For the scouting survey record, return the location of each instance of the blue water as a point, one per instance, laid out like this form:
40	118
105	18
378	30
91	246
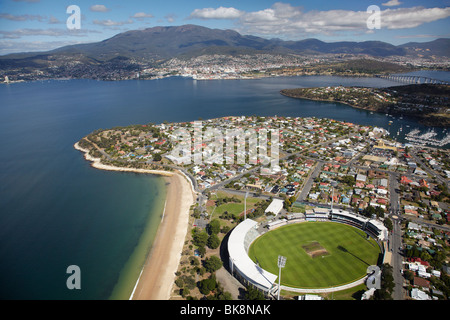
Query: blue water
55	210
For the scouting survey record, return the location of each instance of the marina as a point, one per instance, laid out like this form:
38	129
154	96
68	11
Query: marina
429	138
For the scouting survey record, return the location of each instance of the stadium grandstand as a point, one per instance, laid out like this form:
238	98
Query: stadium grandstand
241	266
242	236
317	214
348	218
374	227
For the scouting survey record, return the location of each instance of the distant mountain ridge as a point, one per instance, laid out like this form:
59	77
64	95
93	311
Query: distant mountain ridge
168	42
127	50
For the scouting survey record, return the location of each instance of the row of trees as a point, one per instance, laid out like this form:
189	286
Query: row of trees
203	239
387	284
209	286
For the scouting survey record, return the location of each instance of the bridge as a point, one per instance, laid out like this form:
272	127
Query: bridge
412	79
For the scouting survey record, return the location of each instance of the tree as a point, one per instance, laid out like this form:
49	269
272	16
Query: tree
292	200
409	275
370	210
201	251
388	223
223	295
207	285
225	229
220	294
213	241
387	284
157	157
199	238
214	227
379	211
194	261
213	264
349	180
253	294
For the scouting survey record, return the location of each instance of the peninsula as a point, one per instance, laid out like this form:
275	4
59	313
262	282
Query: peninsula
322	162
429	103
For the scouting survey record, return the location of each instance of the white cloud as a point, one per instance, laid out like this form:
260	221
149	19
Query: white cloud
111	23
52	32
219	13
405	18
99	8
53	20
142	15
287	20
392	3
170	17
22	17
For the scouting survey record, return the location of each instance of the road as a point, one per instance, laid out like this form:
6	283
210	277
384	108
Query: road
397	259
308	184
395	237
429	170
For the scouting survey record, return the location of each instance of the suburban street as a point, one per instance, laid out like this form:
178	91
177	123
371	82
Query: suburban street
397	266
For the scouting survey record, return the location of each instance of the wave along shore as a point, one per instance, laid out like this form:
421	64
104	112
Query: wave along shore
154	280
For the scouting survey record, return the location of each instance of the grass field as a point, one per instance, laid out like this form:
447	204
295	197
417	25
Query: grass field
233	208
319	254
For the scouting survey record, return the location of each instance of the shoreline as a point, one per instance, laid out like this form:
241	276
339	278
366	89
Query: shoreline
157	275
96	163
332	101
425	120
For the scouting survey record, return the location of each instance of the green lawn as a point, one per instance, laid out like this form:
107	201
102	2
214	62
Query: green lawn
234	208
347	256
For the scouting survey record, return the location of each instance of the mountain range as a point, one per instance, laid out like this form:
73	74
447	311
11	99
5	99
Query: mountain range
156	44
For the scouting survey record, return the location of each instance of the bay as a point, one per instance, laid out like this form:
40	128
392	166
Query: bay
56	210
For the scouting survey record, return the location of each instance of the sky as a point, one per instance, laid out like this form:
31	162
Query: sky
39	25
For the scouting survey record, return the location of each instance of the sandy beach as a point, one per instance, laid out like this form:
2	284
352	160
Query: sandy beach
158	274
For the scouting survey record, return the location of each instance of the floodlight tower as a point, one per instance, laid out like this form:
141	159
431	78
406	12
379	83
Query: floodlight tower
333	184
332	198
245	206
281	264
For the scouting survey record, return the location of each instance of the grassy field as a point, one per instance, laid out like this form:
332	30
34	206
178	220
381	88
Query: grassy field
319	254
234	208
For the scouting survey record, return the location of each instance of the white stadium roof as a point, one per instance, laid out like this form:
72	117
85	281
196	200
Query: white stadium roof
241	260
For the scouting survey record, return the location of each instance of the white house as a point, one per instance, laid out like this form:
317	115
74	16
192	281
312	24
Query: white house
417	294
